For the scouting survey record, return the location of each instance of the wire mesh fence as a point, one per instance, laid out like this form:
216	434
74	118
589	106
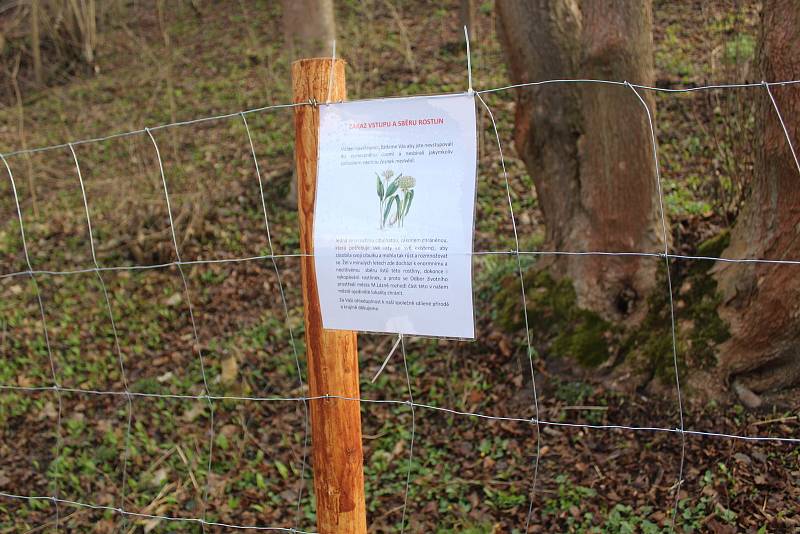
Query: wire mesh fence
172	280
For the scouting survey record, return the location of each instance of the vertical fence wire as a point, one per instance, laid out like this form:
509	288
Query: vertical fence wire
194	330
524	299
56	387
117	347
783	125
671	300
278	277
413	434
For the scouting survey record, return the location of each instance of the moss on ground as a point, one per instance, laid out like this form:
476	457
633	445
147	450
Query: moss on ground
703	300
699	328
561	328
555	318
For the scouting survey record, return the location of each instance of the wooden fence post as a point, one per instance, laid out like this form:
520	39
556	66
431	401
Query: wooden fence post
332	355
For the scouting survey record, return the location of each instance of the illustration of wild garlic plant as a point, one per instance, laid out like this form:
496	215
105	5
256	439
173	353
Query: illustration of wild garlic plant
395	194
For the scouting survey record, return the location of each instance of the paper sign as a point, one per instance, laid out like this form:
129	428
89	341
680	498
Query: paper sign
394	215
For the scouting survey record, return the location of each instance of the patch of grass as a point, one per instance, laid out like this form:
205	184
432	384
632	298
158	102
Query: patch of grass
694	513
684	199
567	502
570	499
674	56
573	393
624	519
740	49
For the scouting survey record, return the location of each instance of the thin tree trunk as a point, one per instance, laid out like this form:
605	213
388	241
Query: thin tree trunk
309	28
761	303
466	15
36	43
22	135
587	146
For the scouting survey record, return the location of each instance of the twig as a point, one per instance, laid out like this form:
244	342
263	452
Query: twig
776	420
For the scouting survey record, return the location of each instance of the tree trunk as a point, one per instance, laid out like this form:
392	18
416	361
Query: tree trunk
36	48
466	16
588	146
309	28
761	302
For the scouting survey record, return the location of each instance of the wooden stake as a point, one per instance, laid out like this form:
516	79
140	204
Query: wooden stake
332	354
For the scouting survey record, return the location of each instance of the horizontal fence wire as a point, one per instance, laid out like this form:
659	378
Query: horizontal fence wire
167	265
311	103
126	513
432	407
535	422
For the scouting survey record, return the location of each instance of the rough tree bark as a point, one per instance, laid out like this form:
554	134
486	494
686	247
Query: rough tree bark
309	28
587	146
761	303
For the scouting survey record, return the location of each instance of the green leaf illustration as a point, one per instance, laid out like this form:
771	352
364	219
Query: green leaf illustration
408	198
398	210
380	187
392	188
392	200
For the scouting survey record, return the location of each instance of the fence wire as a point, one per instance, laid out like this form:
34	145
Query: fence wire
535	423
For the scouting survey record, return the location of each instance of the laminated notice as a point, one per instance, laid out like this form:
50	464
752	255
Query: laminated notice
394	215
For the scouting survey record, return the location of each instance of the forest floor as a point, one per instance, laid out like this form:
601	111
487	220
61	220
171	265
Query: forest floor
467	473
